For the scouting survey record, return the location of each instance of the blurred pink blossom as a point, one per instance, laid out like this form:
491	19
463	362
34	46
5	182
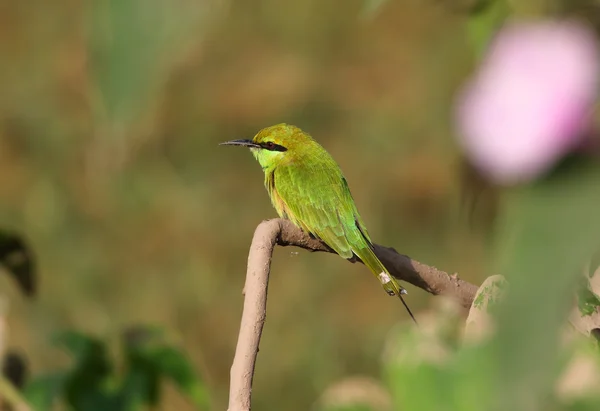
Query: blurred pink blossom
531	100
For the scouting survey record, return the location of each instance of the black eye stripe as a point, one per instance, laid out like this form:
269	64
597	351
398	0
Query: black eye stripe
269	145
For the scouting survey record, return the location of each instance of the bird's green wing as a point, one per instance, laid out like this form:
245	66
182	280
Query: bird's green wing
319	201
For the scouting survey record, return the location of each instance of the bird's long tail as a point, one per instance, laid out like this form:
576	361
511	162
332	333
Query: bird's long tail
389	283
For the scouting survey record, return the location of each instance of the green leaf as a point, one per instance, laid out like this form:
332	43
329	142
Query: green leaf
173	364
489	295
463	379
413	362
587	301
86	381
134	45
90	354
149	360
583	404
548	232
41	392
484	22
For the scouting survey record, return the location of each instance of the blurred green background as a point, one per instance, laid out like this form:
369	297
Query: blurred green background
110	116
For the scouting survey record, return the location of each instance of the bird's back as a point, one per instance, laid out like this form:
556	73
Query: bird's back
312	192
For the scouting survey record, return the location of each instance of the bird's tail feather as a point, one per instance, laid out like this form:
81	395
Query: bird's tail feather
389	283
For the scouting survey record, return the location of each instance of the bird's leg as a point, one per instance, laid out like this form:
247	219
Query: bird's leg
385	279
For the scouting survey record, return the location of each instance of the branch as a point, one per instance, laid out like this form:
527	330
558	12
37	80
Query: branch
402	267
254	314
284	233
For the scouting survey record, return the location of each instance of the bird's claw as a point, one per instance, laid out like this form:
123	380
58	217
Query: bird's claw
385	279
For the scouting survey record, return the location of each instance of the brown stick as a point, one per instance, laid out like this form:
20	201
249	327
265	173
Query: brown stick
402	267
284	233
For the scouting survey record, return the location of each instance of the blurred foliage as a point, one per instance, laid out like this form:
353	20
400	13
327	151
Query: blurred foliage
110	115
18	259
93	382
588	301
549	230
486	17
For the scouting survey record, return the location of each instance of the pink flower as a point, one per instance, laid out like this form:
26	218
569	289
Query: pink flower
530	102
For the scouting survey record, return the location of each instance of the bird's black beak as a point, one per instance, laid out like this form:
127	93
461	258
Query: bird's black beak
244	143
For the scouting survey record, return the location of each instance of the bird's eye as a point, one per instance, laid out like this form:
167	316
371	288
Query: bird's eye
270	145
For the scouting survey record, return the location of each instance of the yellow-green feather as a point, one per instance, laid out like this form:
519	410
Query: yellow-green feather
308	188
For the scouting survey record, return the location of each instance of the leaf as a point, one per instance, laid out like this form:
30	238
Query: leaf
421	358
149	360
548	231
142	379
587	301
89	353
85	382
484	22
583	404
478	197
489	296
41	392
18	258
414	360
134	44
173	364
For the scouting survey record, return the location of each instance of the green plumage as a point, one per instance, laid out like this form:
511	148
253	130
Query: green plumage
307	187
315	196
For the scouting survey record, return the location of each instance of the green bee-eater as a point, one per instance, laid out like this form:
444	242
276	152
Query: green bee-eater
307	187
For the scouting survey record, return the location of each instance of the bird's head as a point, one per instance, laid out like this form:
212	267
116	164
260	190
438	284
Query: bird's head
275	145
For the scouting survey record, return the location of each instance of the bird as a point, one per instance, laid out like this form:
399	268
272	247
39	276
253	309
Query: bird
307	187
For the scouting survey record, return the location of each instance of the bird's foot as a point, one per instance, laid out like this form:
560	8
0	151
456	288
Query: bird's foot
385	279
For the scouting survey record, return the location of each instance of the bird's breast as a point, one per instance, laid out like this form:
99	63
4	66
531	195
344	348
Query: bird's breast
276	199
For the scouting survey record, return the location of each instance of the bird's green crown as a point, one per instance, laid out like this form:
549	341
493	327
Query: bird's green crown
282	136
281	143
